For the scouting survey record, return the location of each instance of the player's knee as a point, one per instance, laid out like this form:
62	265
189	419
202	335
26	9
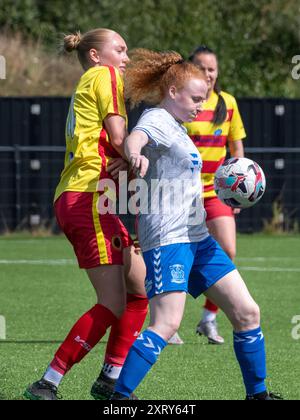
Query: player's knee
166	329
247	318
117	307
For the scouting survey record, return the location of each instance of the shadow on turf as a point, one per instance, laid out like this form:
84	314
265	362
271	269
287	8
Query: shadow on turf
3	397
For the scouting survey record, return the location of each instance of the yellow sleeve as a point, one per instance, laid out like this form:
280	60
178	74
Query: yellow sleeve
109	92
236	130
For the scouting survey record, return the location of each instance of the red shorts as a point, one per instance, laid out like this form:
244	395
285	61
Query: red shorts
96	239
215	208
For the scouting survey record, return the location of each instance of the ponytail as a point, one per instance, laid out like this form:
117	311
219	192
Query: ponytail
220	113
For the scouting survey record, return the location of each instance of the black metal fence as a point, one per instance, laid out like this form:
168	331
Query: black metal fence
32	153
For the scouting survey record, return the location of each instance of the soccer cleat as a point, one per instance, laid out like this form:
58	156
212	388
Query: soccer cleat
103	388
117	396
265	396
41	390
210	330
175	339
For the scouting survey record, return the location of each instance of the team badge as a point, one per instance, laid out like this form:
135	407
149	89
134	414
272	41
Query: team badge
177	273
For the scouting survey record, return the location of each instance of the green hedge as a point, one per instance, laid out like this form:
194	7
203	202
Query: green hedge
255	39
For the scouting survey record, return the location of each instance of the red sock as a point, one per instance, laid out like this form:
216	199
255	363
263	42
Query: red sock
125	330
211	306
85	334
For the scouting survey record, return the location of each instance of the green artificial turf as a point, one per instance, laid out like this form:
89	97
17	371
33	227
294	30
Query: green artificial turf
43	293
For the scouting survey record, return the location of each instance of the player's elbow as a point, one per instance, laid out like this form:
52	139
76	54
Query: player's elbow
117	141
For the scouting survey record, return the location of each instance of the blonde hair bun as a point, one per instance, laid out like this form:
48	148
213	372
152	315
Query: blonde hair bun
71	42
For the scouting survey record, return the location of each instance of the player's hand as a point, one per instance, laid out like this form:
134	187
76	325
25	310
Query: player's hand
137	248
139	164
115	166
237	211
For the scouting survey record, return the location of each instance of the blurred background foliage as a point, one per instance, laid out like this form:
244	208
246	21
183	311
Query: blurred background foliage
255	40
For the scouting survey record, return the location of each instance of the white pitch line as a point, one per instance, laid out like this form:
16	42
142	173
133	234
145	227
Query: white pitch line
38	262
64	262
271	269
37	241
265	259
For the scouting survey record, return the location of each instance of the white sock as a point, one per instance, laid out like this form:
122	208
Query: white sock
208	316
53	376
112	372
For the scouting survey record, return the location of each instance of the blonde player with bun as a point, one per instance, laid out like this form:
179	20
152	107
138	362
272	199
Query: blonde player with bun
95	130
179	253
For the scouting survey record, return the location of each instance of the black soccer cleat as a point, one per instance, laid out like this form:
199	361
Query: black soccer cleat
265	396
103	388
117	396
41	390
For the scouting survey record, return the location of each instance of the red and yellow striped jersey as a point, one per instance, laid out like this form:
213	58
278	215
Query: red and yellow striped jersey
211	139
100	92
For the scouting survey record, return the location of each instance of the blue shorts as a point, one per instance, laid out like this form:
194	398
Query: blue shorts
186	267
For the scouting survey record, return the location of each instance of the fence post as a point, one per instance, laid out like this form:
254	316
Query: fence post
17	155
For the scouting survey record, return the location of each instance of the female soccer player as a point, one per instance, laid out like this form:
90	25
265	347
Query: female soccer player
179	253
219	125
95	130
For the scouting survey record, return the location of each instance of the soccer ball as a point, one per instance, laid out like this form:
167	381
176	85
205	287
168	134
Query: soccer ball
240	183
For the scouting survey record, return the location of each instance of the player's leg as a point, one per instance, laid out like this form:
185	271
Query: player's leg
89	234
221	224
215	275
126	329
232	296
166	311
87	331
168	269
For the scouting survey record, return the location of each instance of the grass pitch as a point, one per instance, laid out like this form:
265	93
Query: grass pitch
43	293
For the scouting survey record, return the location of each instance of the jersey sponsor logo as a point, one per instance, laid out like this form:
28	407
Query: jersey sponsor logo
177	273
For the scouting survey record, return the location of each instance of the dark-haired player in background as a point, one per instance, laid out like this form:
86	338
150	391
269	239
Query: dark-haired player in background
217	126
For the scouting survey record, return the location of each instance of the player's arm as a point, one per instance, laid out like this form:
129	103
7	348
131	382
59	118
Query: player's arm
115	125
108	89
236	149
134	144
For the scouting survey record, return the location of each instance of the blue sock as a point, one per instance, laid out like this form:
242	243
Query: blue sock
141	357
249	348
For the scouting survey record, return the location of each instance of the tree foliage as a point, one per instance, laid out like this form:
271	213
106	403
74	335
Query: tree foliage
255	41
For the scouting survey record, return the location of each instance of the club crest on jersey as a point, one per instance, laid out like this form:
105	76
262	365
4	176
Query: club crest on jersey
177	273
